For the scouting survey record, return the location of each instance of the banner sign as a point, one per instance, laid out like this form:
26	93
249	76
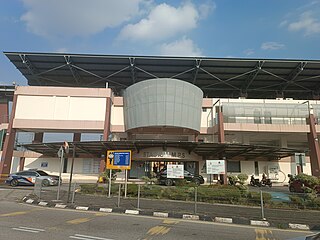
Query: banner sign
175	171
216	167
118	159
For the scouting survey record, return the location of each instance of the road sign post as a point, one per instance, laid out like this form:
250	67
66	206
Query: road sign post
120	160
60	154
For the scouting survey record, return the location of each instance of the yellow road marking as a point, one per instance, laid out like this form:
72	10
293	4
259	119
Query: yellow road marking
168	221
264	234
157	230
79	220
12	214
100	214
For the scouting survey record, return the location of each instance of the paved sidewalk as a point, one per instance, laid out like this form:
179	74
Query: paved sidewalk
209	212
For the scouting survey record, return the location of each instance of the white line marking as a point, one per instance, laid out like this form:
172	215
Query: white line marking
25	230
35	229
86	237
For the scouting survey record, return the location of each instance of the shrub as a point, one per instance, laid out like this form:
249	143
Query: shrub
232	180
88	188
219	193
255	197
242	178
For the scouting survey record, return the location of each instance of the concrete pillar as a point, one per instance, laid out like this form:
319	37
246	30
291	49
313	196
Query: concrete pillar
8	146
221	138
314	147
4	111
107	120
21	164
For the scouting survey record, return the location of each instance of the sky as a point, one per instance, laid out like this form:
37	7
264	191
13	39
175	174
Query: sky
263	29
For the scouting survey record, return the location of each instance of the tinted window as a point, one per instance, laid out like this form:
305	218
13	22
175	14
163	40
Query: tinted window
42	173
233	166
29	174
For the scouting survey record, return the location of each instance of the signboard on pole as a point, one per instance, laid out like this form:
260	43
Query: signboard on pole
300	158
216	167
175	171
118	159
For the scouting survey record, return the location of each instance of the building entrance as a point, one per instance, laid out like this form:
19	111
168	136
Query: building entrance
152	168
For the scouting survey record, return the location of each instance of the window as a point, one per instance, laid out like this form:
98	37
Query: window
267	118
256	117
233	166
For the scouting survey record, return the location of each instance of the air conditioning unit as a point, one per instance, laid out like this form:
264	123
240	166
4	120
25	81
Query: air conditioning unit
279	98
289	98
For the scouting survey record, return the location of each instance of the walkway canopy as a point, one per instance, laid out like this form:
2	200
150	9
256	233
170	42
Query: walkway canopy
218	150
217	77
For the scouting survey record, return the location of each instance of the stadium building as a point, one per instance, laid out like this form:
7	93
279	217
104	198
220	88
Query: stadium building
260	115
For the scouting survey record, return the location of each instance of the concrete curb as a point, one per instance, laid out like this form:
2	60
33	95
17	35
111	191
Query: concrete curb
43	203
299	226
160	214
107	210
82	208
259	223
133	212
60	206
234	220
223	220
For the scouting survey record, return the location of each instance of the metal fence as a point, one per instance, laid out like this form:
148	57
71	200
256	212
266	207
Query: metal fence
200	199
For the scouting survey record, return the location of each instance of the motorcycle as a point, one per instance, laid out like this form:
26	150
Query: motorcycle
255	182
265	182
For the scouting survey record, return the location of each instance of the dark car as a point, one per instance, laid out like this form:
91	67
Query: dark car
162	178
298	187
299	182
28	178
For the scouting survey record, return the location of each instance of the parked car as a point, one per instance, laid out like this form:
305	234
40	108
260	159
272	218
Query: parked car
190	177
28	178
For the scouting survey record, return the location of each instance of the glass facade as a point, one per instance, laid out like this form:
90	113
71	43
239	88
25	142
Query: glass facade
265	113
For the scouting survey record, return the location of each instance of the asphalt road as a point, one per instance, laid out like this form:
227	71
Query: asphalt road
22	221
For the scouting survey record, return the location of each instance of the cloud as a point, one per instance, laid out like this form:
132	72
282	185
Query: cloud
77	17
164	22
306	23
206	8
248	52
272	46
61	50
182	47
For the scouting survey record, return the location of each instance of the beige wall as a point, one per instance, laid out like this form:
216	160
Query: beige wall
117	115
60	108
